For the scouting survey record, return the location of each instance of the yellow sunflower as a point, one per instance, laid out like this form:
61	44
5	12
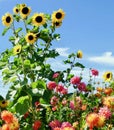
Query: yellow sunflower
107	76
79	54
3	103
58	15
16	10
17	49
56	24
38	19
7	19
30	38
24	11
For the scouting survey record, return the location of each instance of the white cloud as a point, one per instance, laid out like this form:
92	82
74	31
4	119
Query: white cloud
63	51
107	58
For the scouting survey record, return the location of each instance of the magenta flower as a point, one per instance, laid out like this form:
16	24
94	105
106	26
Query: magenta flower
59	88
51	85
75	80
54	100
55	75
54	124
94	72
65	124
82	86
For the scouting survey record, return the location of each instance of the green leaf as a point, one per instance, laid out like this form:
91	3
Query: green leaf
79	65
40	84
11	38
18	30
27	63
22	105
1	98
29	20
5	30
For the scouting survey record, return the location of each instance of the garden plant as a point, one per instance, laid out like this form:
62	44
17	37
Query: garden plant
38	97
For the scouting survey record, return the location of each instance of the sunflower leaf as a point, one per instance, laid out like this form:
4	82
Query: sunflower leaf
5	30
18	30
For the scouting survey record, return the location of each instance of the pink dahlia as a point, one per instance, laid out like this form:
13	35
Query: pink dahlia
82	86
51	85
55	124
55	75
94	72
75	80
65	124
105	111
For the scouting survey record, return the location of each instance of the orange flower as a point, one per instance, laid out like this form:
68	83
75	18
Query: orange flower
99	89
67	128
92	119
108	101
84	107
98	95
7	116
5	127
101	121
108	91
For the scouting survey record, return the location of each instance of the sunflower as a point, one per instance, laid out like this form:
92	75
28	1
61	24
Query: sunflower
58	15
79	54
17	49
24	11
16	10
7	19
107	76
30	38
3	103
56	24
38	19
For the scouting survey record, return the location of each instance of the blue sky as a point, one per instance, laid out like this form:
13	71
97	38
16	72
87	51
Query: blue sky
88	26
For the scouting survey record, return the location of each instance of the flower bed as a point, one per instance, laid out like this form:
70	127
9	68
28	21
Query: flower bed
38	97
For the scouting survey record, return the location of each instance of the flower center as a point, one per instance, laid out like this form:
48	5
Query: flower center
18	50
39	19
17	10
58	15
108	75
25	10
8	19
30	37
3	102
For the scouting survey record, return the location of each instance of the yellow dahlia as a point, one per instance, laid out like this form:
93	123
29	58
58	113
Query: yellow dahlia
17	49
38	19
30	38
58	15
24	11
107	76
7	19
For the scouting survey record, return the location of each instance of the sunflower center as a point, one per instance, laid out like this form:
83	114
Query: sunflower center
8	19
3	102
17	10
25	10
108	76
30	37
58	15
38	19
18	50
